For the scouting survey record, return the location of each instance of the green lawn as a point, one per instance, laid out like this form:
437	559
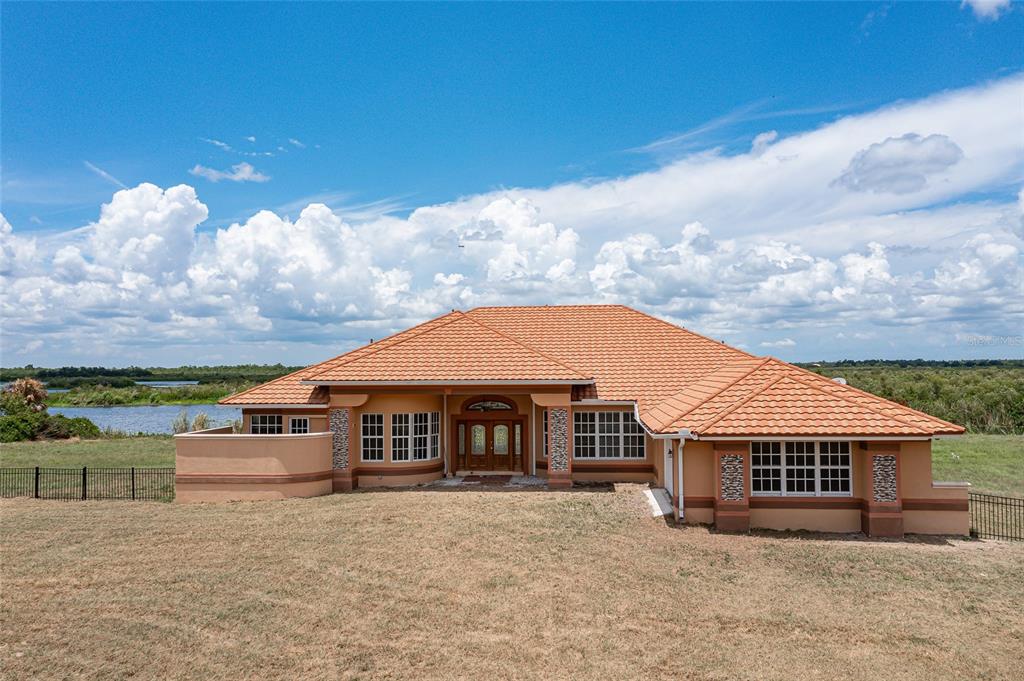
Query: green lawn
991	463
115	452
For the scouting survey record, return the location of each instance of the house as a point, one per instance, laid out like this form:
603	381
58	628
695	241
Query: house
586	393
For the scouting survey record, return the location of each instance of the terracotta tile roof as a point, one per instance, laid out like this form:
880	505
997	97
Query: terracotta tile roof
771	397
459	349
283	390
679	379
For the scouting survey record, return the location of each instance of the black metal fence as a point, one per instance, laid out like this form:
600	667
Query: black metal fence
994	517
69	484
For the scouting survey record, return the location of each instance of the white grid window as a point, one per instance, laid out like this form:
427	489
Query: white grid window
834	467
607	435
373	437
265	424
420	436
435	435
298	425
800	470
400	437
806	469
545	419
766	467
416	437
584	434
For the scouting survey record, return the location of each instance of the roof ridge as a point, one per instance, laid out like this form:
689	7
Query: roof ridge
683	328
848	401
715	394
374	348
522	344
739	403
819	377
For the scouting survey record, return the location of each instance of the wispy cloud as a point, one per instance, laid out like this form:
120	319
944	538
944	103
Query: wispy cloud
105	175
783	343
296	143
224	146
340	202
240	172
251	138
754	111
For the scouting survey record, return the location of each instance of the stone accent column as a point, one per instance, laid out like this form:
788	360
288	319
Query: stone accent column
882	511
732	498
340	423
559	447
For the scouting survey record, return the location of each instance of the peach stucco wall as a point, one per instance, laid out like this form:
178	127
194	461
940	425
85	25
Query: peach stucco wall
219	466
395	404
317	418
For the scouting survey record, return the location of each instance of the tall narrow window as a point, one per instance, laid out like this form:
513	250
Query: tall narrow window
399	437
544	418
373	437
265	424
420	436
800	469
765	467
584	428
834	462
435	435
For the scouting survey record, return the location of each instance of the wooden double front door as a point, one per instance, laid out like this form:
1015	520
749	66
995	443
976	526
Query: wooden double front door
491	445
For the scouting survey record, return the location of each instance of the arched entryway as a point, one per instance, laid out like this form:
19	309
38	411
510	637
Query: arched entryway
490	435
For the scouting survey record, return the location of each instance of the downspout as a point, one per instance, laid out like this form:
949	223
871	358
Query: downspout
446	451
684	435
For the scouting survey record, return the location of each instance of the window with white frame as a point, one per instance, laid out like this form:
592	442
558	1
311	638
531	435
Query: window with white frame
420	436
416	437
372	437
435	435
545	420
607	435
834	468
298	425
265	424
800	469
400	449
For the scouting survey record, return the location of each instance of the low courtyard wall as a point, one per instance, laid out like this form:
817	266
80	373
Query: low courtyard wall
218	465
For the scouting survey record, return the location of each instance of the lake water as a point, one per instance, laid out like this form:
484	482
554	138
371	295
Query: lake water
148	419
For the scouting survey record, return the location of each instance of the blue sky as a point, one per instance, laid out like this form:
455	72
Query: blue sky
423	127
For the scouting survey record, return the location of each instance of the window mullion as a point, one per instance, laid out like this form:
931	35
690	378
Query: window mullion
817	470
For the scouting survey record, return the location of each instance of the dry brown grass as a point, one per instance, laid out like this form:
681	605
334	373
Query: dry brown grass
486	584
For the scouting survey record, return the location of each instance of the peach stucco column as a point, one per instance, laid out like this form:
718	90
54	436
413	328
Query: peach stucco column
560	446
732	502
340	422
882	511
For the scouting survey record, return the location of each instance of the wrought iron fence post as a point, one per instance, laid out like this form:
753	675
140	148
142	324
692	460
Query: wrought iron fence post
133	483
36	489
84	493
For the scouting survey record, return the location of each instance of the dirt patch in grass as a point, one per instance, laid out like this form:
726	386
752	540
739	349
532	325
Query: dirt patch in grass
472	584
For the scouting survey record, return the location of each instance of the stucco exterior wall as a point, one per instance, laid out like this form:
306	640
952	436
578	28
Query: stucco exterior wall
219	466
389	404
815	520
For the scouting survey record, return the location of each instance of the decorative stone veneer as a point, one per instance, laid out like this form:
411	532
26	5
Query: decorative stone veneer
732	477
558	426
338	420
883	473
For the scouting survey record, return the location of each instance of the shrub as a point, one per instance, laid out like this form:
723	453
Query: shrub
180	422
28	392
201	421
60	427
21	426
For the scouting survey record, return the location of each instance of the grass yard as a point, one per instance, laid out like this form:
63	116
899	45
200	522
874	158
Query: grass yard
991	463
475	584
154	451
